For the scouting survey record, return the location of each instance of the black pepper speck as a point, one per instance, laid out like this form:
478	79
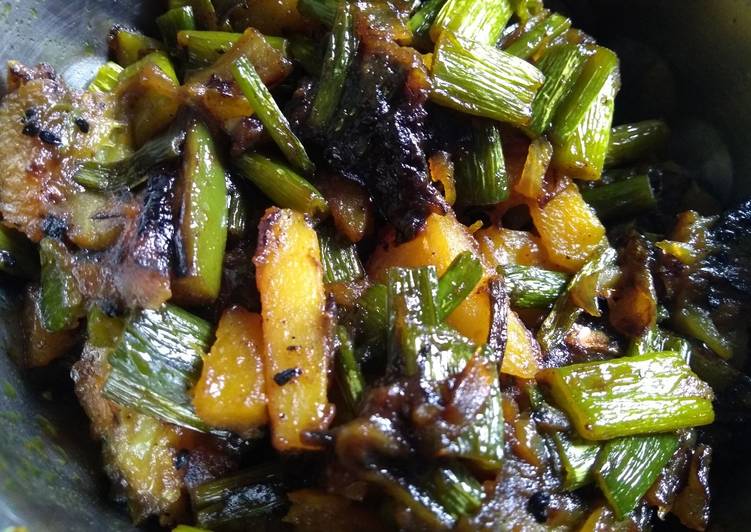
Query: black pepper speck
283	377
538	505
48	137
181	458
31	129
82	124
31	112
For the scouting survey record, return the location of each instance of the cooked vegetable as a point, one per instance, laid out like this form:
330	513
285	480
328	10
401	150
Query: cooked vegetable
502	247
481	21
61	303
531	287
481	177
202	48
268	111
483	81
422	19
156	362
633	303
581	128
106	77
577	458
202	234
627	467
622	198
128	46
697	323
456	283
349	375
341	48
295	328
133	170
280	183
655	392
531	182
323	11
231	391
174	21
339	259
544	31
235	499
568	227
636	142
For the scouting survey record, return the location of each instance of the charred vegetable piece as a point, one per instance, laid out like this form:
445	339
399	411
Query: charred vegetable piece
17	255
631	143
654	392
128	46
569	228
133	170
156	362
481	177
483	81
633	304
202	235
61	304
173	21
106	77
239	498
627	467
231	391
544	31
532	287
594	280
692	504
269	113
581	128
340	261
479	20
577	458
457	282
348	373
561	66
295	328
621	199
340	52
281	184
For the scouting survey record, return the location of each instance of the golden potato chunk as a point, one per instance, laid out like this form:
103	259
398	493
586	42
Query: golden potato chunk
295	328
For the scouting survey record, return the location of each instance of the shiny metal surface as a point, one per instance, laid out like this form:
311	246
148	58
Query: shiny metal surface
50	477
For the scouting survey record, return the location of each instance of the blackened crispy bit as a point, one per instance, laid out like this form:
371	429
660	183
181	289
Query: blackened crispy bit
31	129
283	377
378	135
48	137
499	309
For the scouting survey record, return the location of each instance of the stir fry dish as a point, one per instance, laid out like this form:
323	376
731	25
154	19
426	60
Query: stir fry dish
374	265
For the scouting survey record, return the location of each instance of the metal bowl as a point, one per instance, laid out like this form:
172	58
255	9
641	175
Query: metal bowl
686	60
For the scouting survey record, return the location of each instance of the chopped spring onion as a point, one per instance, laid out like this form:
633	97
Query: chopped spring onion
483	81
174	21
479	20
156	363
61	303
133	170
205	13
202	234
621	199
422	19
204	47
340	52
348	373
324	11
434	352
532	287
269	113
627	467
457	490
544	31
281	184
457	282
481	177
532	181
127	47
594	280
412	293
581	128
654	392
238	498
631	143
340	261
697	323
307	52
106	77
561	66
577	458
